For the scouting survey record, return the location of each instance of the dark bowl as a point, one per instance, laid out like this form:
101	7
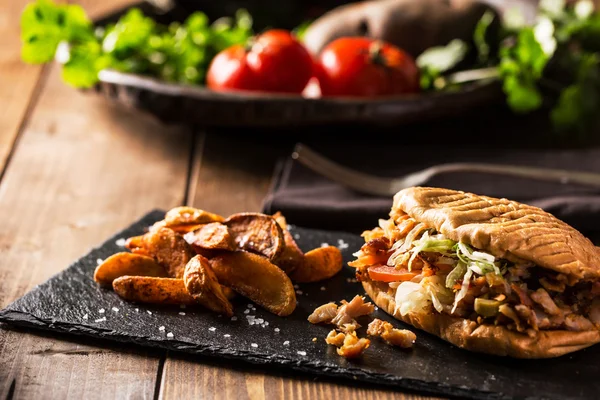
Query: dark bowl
200	106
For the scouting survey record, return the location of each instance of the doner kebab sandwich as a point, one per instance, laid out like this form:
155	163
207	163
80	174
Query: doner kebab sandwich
488	275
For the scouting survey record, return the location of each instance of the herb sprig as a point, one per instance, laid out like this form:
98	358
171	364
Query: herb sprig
179	52
553	62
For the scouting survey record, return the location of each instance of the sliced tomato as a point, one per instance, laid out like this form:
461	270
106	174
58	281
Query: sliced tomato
384	273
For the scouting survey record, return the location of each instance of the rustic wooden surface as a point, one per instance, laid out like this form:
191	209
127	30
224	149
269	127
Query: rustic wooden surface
73	170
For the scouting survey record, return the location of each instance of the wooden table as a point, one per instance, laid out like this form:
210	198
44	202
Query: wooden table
73	170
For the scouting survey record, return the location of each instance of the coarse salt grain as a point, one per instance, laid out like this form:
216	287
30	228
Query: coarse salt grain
250	305
101	319
137	310
120	242
181	313
296	287
296	236
342	245
99	261
286	343
299	292
324	244
85	316
212	329
254	345
302	353
101	311
323	288
246	311
227	335
234	318
149	312
161	328
115	309
276	330
170	334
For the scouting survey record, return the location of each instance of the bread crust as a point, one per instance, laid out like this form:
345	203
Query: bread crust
490	339
505	228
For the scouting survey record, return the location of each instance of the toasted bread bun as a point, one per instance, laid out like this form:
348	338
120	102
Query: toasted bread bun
504	228
490	339
507	229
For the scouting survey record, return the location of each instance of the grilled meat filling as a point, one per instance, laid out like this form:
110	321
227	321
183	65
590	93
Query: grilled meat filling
422	268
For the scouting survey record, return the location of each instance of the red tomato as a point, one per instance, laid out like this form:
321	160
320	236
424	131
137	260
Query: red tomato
359	66
385	273
274	62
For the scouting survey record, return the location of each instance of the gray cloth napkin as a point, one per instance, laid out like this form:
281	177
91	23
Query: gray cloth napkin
310	200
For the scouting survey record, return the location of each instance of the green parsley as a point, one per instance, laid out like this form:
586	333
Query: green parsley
552	63
179	52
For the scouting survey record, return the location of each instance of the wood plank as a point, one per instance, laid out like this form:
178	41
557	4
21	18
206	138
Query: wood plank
82	170
232	174
193	379
17	80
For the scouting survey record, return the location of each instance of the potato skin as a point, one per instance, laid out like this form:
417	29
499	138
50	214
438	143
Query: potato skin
152	290
170	249
409	24
124	263
318	264
213	236
190	216
257	233
202	284
256	278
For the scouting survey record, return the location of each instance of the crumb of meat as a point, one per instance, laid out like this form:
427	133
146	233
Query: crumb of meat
343	316
396	337
349	327
353	347
351	310
335	338
324	313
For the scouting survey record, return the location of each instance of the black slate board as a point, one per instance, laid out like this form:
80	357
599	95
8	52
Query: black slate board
432	366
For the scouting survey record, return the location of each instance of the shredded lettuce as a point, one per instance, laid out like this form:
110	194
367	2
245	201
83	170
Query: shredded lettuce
477	261
435	243
463	289
410	296
411	236
456	274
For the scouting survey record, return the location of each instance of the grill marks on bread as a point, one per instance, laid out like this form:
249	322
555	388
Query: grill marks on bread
507	229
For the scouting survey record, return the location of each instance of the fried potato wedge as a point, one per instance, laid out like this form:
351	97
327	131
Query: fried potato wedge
146	289
256	278
136	245
182	219
291	257
122	264
170	249
256	233
278	216
202	284
210	237
228	292
320	263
